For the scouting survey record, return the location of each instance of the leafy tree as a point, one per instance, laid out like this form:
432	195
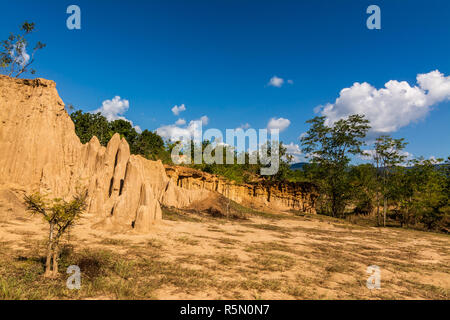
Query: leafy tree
149	144
60	215
401	185
331	147
431	199
446	171
230	171
166	155
363	184
387	154
14	58
88	125
243	172
284	159
126	130
419	194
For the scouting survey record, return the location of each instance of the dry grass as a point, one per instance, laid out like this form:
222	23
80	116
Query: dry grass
196	257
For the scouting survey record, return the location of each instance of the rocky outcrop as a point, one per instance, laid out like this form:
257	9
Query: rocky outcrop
41	152
274	196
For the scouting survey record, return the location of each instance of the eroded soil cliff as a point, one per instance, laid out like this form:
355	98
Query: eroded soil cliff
41	152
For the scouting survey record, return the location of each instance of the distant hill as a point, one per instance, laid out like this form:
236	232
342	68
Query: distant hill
298	165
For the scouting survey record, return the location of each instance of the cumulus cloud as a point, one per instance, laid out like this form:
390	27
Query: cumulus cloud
114	109
436	85
178	109
390	108
176	132
280	124
294	150
276	82
180	122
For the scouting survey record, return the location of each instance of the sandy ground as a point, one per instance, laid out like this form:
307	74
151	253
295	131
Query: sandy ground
266	257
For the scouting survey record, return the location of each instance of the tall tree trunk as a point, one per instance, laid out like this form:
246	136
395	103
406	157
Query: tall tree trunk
378	197
407	216
384	195
409	211
48	262
55	260
378	209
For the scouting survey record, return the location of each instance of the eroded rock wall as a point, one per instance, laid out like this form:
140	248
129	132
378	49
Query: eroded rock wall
265	195
41	152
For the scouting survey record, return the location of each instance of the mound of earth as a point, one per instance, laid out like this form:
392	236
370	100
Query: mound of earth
217	205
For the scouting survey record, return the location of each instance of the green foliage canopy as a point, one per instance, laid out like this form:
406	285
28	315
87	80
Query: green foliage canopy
87	125
330	146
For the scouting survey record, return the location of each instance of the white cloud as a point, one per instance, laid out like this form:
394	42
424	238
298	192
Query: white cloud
180	122
392	107
114	109
302	135
178	109
280	123
290	81
204	120
436	85
244	126
175	132
276	82
136	127
369	155
19	53
295	151
293	148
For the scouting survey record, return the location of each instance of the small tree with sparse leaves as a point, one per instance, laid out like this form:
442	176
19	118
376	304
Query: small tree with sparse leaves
14	58
387	154
61	216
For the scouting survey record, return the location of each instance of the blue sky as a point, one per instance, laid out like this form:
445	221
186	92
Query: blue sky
217	58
